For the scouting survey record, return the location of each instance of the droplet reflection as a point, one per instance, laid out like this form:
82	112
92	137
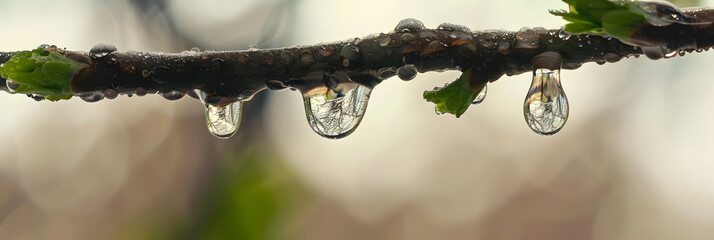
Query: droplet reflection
222	122
546	106
336	113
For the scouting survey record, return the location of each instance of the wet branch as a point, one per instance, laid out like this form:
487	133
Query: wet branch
238	75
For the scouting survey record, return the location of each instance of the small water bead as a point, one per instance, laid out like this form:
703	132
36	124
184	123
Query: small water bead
407	37
195	49
222	122
351	55
102	50
504	48
217	64
160	74
173	95
409	25
527	39
481	95
612	57
562	34
407	72
140	91
325	51
11	85
110	93
92	97
671	54
287	58
654	53
306	58
384	40
336	113
453	27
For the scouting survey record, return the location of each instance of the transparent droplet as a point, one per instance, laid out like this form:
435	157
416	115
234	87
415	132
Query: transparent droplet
481	95
562	34
336	113
407	72
92	97
222	122
11	85
102	50
546	106
409	25
173	95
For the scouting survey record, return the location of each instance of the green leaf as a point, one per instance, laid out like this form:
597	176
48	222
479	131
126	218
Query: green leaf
621	24
43	73
455	97
618	19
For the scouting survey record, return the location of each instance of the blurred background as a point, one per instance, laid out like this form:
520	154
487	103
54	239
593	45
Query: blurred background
634	161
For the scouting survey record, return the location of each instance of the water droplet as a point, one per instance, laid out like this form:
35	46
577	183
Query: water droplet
325	51
481	95
453	27
111	93
92	97
546	106
173	95
195	49
407	72
336	113
160	74
384	40
409	25
287	58
11	85
351	55
222	122
140	91
612	57
252	47
306	58
407	37
682	53
562	34
102	50
217	64
527	39
504	48
653	53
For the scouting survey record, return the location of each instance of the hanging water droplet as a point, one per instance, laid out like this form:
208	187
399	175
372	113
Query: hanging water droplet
671	54
481	95
407	72
102	50
92	97
11	85
222	122
336	113
160	74
546	106
409	25
173	95
111	93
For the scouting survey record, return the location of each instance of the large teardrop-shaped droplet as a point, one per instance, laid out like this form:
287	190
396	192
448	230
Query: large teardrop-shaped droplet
222	122
336	113
546	106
